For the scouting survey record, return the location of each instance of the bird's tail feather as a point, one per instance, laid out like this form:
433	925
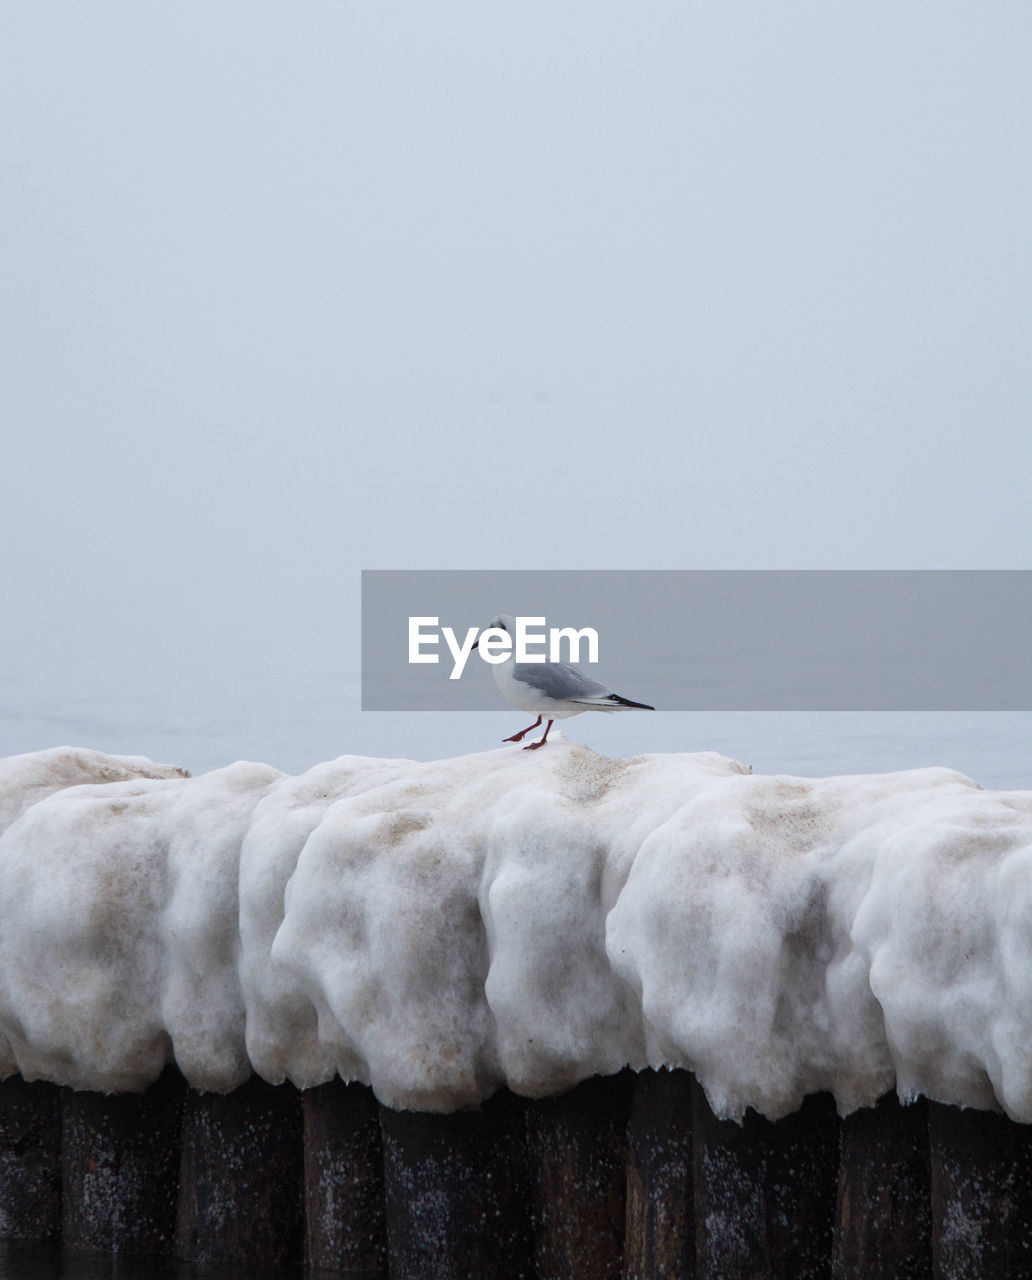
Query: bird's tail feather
612	702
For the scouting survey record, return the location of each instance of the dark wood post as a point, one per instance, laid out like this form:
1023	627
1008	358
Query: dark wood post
730	1204
456	1192
981	1181
344	1210
765	1192
30	1160
882	1217
240	1186
802	1180
660	1230
578	1151
120	1162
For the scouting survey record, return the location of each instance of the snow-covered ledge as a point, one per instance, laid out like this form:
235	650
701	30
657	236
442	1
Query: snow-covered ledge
517	918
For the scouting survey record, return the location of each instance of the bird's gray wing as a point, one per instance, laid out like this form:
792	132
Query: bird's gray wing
558	680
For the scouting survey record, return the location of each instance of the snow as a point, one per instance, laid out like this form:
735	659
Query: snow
530	919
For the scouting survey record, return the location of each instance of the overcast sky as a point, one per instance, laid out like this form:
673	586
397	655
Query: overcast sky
296	289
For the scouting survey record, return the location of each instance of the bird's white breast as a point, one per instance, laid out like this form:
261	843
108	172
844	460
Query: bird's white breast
529	699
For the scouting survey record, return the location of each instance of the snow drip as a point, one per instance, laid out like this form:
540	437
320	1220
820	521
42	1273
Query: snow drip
527	919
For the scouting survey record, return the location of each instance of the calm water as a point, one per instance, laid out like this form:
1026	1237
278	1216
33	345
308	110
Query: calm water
994	748
295	719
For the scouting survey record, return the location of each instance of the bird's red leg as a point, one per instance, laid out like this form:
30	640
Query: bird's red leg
518	737
534	745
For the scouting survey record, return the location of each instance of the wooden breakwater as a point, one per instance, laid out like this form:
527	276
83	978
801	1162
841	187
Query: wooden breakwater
627	1176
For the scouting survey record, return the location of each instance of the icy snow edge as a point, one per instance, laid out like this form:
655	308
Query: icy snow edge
527	919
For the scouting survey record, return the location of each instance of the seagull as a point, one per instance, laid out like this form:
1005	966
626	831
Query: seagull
553	689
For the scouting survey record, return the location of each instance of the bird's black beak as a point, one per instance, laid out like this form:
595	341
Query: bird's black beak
476	644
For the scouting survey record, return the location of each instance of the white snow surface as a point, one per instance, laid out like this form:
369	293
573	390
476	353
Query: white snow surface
529	919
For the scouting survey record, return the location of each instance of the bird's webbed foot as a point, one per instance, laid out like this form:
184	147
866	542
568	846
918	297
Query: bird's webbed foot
518	737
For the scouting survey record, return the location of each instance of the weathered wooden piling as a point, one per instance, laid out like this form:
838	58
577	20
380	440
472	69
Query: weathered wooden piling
765	1192
883	1212
627	1176
659	1238
981	1195
578	1152
731	1211
457	1193
802	1182
240	1184
120	1166
344	1199
30	1160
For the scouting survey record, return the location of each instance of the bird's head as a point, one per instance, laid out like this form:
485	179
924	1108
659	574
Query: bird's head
501	622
